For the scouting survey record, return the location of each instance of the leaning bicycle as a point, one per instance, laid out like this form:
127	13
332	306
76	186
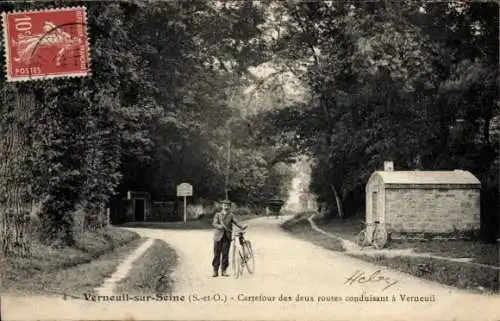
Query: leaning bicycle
379	237
243	255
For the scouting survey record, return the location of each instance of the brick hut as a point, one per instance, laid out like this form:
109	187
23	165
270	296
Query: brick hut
431	202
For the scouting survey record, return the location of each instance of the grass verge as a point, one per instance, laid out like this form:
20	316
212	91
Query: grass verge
299	226
151	273
480	252
458	274
483	253
71	270
461	275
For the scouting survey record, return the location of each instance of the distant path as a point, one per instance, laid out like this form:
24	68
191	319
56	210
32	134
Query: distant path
284	265
353	248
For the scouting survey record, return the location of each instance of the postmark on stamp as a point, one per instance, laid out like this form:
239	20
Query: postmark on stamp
46	44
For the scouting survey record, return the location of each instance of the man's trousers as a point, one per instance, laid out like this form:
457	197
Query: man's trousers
221	252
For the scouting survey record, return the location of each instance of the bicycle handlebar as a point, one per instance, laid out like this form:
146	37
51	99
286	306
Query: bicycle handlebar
239	233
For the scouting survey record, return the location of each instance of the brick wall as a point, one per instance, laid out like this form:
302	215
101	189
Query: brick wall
432	210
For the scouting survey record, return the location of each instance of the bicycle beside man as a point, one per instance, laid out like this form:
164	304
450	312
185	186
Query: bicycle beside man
223	223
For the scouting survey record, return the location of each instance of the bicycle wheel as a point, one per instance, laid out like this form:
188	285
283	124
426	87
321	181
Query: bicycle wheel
361	239
236	262
379	237
249	257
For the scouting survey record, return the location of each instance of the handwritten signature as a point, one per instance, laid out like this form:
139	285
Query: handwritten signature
377	276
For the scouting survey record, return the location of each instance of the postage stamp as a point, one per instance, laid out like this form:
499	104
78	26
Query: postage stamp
46	44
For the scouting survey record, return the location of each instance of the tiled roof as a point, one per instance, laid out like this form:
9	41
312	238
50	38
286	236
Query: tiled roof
428	177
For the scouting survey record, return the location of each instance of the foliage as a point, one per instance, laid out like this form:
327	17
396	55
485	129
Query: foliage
178	89
144	120
392	81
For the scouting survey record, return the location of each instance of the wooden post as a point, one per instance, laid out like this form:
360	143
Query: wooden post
185	190
185	210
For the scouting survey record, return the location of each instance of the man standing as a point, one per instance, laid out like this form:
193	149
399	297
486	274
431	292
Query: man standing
223	223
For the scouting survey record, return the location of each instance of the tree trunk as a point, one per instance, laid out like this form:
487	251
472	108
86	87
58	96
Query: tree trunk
338	201
15	199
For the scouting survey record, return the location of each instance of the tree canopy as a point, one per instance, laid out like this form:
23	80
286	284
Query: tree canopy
216	92
411	82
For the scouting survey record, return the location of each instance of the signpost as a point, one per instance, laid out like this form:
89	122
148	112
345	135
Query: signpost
184	190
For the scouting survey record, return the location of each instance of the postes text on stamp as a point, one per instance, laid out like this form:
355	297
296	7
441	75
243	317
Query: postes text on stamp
46	44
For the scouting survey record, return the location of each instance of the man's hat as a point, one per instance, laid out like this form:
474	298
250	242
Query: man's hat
226	202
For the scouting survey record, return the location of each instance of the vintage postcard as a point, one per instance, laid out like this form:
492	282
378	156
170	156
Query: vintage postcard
249	160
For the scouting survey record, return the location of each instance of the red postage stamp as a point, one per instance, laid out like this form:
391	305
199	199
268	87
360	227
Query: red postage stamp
46	44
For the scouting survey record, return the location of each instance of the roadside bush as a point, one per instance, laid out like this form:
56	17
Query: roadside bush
119	236
205	217
240	211
103	240
93	243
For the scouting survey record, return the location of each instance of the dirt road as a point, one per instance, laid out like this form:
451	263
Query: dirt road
291	278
